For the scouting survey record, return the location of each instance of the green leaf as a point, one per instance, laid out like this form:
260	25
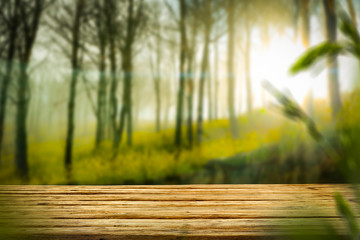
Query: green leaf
354	50
314	54
346	212
348	29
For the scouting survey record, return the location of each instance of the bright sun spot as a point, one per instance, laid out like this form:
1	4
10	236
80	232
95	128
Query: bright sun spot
273	63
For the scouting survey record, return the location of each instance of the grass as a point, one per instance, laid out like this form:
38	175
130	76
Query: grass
152	158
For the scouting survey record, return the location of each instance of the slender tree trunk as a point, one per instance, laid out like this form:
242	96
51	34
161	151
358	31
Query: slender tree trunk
158	82
73	82
113	87
305	22
231	77
167	105
101	99
110	5
125	113
216	80
199	131
102	32
21	116
128	80
190	82
158	104
108	126
30	33
190	97
8	70
332	63
247	70
180	97
209	89
203	72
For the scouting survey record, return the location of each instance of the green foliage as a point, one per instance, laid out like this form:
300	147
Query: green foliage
348	29
314	54
348	215
152	160
325	49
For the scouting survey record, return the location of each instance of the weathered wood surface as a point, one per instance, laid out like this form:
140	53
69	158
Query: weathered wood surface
169	212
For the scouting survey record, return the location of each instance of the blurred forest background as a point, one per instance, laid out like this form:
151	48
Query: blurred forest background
179	91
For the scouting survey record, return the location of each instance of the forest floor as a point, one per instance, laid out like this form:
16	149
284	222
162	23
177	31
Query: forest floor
271	149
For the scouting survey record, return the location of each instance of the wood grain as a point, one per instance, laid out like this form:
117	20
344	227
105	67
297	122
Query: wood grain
170	212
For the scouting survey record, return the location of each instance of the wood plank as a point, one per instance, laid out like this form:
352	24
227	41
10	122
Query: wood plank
170	212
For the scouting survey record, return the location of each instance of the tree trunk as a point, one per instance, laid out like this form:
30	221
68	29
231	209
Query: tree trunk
21	116
8	70
128	80
126	110
158	81
190	82
247	70
231	77
158	104
125	113
110	5
190	98
333	82
209	90
183	53
305	22
73	82
216	80
101	100
29	37
203	72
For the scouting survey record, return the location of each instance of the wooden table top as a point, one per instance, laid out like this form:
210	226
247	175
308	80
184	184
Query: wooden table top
170	211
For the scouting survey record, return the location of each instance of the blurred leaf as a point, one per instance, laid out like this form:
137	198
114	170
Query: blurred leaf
346	212
292	110
355	50
348	28
314	54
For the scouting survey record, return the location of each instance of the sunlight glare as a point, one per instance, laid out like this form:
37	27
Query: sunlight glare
273	63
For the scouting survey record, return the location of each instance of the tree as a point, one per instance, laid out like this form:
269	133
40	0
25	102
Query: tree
11	24
183	56
193	23
30	18
208	21
156	64
68	23
111	16
135	20
216	79
247	57
333	81
101	95
230	67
